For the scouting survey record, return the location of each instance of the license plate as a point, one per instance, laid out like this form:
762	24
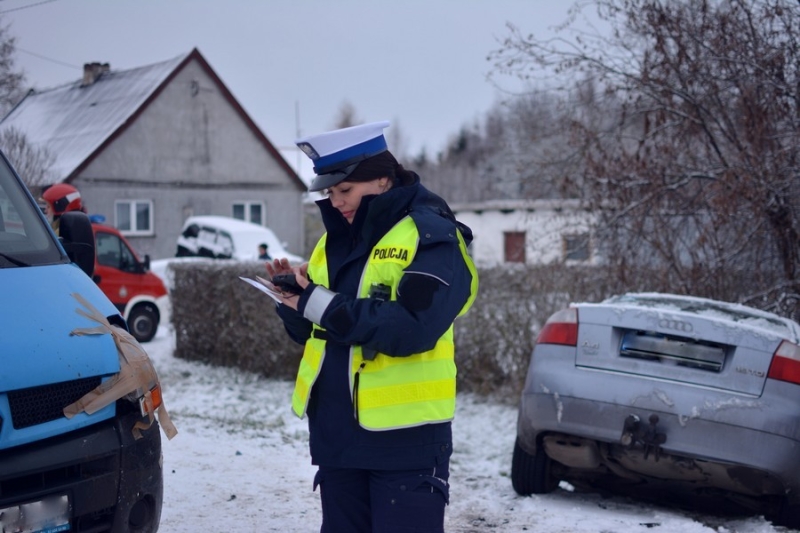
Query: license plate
49	515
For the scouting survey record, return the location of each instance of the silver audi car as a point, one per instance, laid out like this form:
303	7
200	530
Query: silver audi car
684	400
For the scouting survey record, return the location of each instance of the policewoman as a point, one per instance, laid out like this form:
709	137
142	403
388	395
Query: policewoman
379	297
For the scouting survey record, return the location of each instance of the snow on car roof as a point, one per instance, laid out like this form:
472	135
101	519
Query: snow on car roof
226	223
715	309
246	236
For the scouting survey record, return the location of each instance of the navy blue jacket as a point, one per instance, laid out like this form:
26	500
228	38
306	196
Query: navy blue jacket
428	302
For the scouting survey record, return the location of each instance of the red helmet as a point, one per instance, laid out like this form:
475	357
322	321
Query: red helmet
63	197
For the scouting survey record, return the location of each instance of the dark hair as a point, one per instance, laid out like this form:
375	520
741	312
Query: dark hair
383	164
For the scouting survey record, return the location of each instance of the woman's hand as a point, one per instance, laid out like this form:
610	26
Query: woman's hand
282	266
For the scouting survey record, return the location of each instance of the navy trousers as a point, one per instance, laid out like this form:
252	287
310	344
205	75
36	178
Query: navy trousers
383	501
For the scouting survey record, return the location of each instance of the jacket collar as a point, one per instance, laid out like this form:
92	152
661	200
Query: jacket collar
375	216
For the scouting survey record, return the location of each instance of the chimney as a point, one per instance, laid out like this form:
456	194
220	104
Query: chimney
93	71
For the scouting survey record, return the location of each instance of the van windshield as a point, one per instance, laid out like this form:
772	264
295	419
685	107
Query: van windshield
24	237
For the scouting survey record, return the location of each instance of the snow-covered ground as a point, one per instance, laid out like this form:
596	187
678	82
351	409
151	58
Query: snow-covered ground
240	463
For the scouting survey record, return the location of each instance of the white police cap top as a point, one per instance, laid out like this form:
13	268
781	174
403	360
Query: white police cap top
334	150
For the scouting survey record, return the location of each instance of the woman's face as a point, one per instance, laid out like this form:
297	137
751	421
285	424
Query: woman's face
346	196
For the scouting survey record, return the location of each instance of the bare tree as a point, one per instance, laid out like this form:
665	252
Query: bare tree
346	116
519	149
694	164
33	164
398	144
11	80
457	176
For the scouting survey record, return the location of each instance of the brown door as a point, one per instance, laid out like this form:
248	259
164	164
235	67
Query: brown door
514	246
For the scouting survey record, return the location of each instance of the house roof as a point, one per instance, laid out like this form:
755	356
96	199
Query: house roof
507	206
75	122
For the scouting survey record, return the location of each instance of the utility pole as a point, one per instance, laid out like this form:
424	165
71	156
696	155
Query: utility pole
297	133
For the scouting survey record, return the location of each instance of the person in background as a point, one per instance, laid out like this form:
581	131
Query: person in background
378	299
59	199
263	252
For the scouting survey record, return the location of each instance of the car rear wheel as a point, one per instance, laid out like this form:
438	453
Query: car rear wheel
532	474
143	322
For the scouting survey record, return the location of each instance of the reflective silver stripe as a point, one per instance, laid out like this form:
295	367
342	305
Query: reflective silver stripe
426	274
318	302
418	273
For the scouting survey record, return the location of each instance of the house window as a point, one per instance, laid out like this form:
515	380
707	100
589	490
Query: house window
134	217
576	247
249	211
514	246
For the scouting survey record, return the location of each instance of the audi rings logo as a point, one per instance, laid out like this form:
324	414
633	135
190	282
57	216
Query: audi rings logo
676	325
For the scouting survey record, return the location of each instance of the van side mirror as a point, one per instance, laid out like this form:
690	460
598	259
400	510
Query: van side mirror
77	238
146	263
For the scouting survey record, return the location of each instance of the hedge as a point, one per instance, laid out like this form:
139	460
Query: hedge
219	319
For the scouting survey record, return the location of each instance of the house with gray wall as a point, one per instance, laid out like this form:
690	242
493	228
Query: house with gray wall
150	146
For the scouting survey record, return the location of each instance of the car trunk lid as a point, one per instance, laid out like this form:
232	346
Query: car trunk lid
674	345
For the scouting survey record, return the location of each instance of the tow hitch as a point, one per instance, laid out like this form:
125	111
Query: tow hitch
634	431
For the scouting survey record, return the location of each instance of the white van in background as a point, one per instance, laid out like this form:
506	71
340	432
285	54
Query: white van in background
221	237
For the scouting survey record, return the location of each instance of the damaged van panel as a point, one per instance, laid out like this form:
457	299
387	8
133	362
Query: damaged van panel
137	379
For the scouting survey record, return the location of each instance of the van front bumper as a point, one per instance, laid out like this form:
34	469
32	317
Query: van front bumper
113	482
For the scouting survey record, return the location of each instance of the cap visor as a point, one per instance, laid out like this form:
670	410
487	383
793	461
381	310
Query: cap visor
323	181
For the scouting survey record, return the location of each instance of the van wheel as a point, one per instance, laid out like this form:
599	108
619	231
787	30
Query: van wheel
532	474
143	322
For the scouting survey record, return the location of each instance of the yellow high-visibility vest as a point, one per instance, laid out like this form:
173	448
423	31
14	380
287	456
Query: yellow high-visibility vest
388	392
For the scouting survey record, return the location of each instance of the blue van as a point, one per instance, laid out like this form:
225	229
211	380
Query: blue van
83	473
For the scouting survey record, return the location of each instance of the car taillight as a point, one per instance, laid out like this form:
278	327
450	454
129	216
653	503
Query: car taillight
786	363
561	328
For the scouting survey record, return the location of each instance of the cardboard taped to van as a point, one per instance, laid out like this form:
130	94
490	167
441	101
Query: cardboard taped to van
137	378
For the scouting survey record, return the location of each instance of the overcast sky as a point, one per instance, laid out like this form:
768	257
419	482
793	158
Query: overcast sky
293	63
